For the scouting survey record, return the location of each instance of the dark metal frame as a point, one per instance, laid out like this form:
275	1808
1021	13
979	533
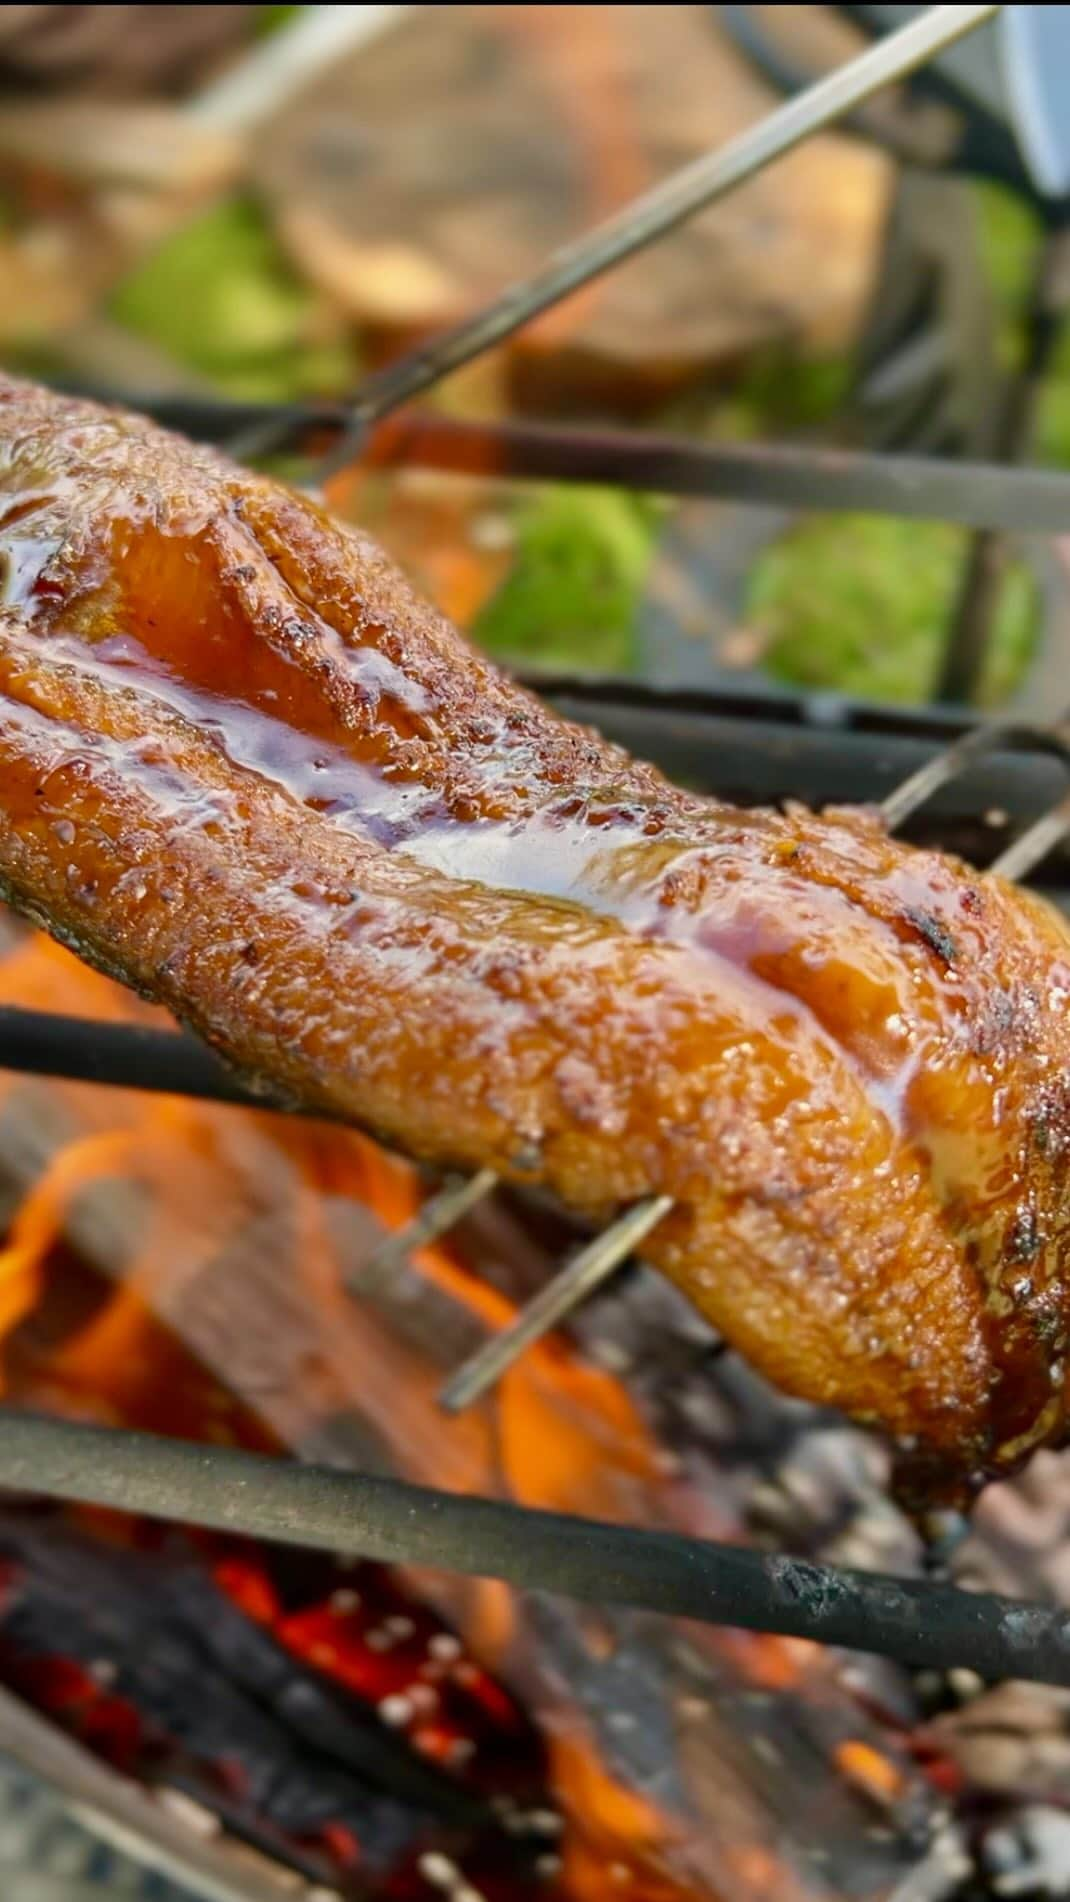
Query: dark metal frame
974	494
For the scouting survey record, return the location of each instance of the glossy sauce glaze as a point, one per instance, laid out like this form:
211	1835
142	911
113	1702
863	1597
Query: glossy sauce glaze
244	768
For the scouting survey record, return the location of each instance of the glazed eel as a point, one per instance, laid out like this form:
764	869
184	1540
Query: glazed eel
245	769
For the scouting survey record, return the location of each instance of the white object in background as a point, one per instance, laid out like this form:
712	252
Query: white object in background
1036	49
278	68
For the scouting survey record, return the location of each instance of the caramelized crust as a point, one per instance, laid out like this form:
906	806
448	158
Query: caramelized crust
245	769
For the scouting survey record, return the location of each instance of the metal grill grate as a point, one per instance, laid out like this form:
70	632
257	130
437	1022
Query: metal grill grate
812	750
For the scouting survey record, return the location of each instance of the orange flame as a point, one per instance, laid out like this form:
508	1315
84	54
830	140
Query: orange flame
563	1434
220	1198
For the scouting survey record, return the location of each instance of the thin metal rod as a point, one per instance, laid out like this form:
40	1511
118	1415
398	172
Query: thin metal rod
1032	846
976	494
586	1272
121	1813
647	218
437	1216
947	765
253	90
1021	501
322	1508
130	1056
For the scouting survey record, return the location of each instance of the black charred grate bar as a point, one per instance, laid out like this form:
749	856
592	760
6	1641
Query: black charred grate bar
917	1623
41	1043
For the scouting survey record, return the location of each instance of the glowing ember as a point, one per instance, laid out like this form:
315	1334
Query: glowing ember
125	1638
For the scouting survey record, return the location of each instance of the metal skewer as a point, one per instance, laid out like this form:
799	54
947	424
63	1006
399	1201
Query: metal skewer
1040	838
436	1217
945	766
667	205
1026	852
586	1272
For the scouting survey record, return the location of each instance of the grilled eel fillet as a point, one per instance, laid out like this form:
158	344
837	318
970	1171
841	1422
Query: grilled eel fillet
246	770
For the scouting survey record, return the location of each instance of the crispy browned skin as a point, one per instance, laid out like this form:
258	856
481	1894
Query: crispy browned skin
245	769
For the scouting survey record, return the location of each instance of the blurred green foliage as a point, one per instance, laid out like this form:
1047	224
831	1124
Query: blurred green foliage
271	18
573	592
781	391
1011	235
1008	232
861	604
219	296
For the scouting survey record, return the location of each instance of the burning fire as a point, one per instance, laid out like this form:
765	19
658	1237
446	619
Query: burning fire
224	1237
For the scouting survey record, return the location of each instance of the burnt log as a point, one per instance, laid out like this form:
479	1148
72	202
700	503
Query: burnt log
139	1651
